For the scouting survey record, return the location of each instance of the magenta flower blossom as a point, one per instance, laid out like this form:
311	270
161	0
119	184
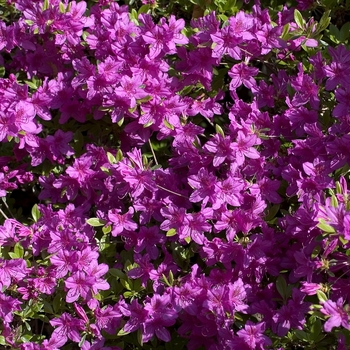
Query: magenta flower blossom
130	90
253	335
137	316
97	271
143	270
11	270
163	38
226	42
147	240
79	284
204	185
196	224
338	315
68	327
121	222
242	74
228	191
174	218
81	169
221	147
59	144
8	306
160	315
107	318
7	127
243	147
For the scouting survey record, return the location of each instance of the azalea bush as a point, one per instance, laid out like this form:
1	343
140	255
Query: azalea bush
173	182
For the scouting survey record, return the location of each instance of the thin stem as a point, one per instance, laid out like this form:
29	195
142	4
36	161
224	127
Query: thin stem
177	194
3	214
7	207
152	150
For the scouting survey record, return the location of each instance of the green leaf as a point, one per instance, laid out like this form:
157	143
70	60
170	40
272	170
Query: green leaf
2	340
36	213
285	31
119	155
143	9
57	303
334	201
338	187
171	232
281	286
272	212
219	130
117	273
149	124
139	336
344	32
324	22
334	31
171	278
325	227
62	7
19	250
301	334
111	158
343	240
298	18
322	297
166	280
127	284
45	5
128	294
106	229
316	251
188	239
168	125
82	340
134	16
105	170
48	308
95	222
31	84
316	329
98	297
13	255
122	333
120	123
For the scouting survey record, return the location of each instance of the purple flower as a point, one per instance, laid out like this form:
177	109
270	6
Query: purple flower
130	90
244	147
79	284
160	315
136	313
221	147
121	222
196	224
67	327
147	239
11	271
338	315
253	335
204	185
242	74
8	306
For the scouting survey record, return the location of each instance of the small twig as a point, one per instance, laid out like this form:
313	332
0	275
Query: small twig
3	214
152	150
177	194
7	207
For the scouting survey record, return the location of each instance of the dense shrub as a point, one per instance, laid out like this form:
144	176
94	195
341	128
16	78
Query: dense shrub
174	182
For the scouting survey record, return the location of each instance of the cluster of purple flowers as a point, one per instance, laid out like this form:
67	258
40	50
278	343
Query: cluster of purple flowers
191	246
